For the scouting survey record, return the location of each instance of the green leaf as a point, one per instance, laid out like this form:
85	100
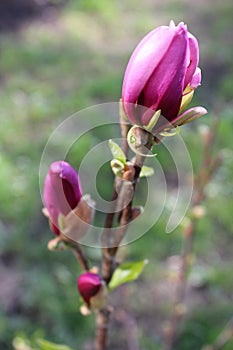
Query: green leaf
146	171
46	345
126	272
117	151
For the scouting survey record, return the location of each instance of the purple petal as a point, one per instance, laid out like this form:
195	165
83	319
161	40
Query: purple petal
88	285
164	88
196	79
62	191
142	63
193	58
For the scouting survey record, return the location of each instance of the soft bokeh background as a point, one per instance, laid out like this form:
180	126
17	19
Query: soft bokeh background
56	58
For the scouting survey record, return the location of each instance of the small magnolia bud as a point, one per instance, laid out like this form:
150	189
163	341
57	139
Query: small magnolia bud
89	284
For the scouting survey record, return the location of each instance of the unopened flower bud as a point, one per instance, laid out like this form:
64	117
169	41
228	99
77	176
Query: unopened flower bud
89	284
162	74
62	192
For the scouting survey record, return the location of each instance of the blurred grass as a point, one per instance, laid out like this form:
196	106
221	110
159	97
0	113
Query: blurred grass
53	68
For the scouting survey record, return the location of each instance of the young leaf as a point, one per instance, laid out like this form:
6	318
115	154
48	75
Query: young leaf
46	345
146	171
126	272
117	151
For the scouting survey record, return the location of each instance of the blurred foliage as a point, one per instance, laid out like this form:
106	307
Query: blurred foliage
54	66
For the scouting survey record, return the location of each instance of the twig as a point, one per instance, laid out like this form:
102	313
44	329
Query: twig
109	253
77	251
106	239
208	167
80	257
102	324
112	238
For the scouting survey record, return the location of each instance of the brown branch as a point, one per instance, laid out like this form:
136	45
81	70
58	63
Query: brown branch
208	167
171	330
111	239
102	324
109	252
77	251
106	238
80	257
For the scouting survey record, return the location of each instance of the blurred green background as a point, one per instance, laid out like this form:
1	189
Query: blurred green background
56	58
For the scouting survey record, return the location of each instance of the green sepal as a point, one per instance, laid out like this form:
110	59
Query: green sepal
46	345
170	132
117	167
146	171
117	151
126	272
153	121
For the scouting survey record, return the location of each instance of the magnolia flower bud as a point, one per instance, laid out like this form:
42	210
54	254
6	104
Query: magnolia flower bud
89	284
62	192
162	74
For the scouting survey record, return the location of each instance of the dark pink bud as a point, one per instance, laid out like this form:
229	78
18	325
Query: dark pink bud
62	191
89	284
161	67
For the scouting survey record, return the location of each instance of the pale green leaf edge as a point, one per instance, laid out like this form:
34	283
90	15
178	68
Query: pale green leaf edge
146	171
117	151
126	272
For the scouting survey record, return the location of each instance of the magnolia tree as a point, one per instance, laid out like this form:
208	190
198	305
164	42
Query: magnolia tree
159	82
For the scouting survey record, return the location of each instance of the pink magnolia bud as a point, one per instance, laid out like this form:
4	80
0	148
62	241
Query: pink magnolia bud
161	71
62	191
89	284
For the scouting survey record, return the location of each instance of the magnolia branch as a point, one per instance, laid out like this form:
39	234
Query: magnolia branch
124	192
